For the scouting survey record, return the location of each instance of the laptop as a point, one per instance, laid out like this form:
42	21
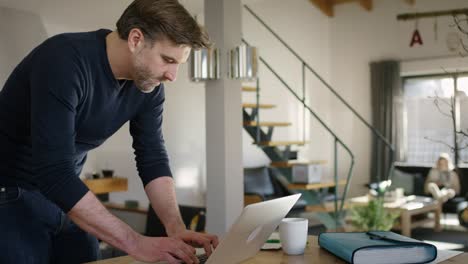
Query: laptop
251	230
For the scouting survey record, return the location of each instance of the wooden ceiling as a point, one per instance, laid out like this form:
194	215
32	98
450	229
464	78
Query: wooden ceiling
327	6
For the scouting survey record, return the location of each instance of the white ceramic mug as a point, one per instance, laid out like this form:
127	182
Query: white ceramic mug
293	235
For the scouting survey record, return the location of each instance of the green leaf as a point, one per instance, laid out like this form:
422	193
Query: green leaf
373	216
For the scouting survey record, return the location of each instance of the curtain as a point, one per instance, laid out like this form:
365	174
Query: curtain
387	108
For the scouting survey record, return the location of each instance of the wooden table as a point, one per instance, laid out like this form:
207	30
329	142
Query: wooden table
408	207
412	208
107	185
313	254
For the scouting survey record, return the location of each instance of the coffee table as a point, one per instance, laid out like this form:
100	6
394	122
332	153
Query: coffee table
408	207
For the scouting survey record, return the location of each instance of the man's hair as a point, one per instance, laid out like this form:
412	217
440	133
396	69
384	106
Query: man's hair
159	19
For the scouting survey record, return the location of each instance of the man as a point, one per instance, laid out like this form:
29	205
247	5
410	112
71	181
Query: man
68	96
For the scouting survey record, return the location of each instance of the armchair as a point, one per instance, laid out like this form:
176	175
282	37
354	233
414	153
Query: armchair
260	184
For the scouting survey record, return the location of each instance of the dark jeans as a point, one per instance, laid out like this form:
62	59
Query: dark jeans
35	230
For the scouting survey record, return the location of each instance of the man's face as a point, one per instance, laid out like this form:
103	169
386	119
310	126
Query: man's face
158	63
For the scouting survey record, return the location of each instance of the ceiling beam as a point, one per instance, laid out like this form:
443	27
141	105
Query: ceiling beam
366	4
326	6
337	2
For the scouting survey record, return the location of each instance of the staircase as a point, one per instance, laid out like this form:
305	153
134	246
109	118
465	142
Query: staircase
283	154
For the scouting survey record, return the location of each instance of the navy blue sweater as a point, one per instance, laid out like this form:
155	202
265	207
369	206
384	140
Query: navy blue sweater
60	102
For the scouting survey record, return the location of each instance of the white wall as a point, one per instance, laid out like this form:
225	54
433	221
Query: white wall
16	43
339	48
32	21
306	31
358	37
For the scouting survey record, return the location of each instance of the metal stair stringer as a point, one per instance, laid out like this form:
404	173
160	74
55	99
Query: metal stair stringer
275	154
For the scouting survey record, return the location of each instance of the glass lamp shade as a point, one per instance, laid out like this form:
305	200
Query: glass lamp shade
204	64
243	63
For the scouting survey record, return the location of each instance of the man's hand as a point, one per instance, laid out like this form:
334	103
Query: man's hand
161	193
172	250
94	218
207	241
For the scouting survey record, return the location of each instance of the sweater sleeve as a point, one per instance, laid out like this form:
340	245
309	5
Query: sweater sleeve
433	176
56	82
148	142
455	182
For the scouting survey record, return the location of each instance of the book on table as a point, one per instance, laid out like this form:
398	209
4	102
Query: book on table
377	247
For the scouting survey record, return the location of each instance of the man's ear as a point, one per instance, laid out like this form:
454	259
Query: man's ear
136	39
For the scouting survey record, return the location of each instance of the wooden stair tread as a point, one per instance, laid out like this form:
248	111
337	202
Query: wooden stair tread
280	143
249	89
291	163
254	105
314	186
251	199
268	124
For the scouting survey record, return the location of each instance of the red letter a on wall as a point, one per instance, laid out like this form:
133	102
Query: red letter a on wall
416	39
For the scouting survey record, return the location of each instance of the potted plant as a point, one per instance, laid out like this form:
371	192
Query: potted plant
373	216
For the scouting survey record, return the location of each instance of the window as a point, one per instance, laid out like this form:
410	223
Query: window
429	125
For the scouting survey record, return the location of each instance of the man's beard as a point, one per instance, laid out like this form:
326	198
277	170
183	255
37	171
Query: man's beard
143	79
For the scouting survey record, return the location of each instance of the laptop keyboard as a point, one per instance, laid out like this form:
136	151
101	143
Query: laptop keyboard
202	258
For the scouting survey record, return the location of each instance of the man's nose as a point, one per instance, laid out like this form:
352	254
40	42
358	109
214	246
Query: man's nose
171	73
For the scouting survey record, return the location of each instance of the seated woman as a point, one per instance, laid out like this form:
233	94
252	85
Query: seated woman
442	181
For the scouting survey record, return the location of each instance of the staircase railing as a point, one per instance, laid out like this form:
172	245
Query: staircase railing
337	141
305	65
